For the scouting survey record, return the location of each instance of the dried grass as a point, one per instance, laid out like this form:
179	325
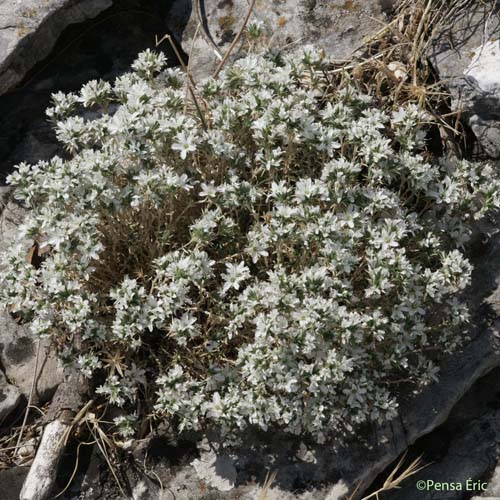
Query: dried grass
393	66
264	491
395	478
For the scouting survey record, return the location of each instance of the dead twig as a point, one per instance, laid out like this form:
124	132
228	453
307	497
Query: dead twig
191	82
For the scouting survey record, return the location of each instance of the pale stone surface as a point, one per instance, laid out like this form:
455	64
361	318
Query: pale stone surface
29	30
467	58
493	489
463	451
485	67
9	397
218	471
339	26
18	352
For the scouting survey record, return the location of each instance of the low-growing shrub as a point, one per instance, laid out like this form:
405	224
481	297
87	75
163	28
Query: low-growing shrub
279	255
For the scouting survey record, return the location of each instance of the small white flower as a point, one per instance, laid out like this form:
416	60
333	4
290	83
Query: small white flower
94	92
235	274
126	425
185	144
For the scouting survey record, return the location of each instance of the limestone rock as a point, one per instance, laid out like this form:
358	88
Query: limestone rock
18	352
11	215
485	67
84	51
465	464
9	397
41	476
493	489
29	30
463	451
217	470
339	26
467	58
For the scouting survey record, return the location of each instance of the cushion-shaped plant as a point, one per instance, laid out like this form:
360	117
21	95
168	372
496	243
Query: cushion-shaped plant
276	253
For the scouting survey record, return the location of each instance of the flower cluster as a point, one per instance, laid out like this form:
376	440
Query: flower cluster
275	254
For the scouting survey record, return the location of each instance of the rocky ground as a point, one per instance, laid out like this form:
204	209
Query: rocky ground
51	45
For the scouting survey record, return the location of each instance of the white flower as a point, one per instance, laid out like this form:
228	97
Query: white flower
63	105
94	92
149	62
126	425
186	143
88	363
258	242
235	274
184	328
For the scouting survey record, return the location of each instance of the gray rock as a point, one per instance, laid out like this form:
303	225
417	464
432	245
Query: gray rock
29	30
493	489
459	455
216	470
18	355
85	51
11	216
339	26
469	457
9	397
467	58
463	451
11	482
92	487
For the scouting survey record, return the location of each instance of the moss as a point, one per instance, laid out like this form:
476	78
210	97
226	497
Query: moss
22	30
226	22
348	5
29	13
